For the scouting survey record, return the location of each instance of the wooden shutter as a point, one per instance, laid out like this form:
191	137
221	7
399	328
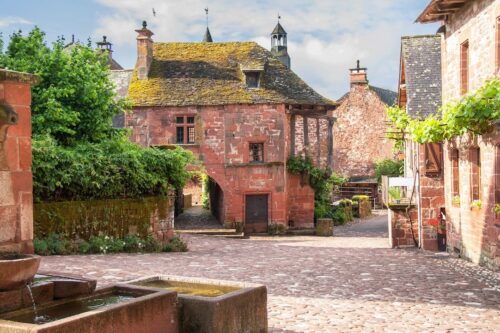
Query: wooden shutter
455	172
475	173
433	158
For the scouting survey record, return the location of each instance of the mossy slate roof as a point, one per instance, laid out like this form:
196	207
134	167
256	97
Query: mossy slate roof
189	74
422	66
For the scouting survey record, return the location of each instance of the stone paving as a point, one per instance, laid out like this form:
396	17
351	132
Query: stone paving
335	284
196	217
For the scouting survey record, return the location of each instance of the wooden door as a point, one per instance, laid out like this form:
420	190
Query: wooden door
256	213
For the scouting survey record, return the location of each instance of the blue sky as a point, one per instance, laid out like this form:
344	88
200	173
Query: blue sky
325	36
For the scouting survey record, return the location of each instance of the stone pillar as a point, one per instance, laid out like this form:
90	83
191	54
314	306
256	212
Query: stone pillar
16	188
324	227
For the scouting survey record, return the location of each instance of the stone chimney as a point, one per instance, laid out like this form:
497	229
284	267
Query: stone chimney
358	75
144	51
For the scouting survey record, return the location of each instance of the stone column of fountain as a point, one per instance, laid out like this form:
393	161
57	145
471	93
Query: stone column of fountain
17	267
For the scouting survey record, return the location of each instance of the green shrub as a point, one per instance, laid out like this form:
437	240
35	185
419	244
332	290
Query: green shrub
275	229
389	168
132	243
113	168
176	244
41	247
57	244
360	197
53	244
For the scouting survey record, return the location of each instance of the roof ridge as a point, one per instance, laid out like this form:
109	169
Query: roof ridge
421	36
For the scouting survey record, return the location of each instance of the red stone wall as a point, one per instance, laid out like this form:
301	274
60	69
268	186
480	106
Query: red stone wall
223	135
300	202
359	134
401	224
474	233
315	145
16	198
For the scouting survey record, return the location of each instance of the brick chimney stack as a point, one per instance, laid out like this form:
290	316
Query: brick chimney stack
144	51
358	75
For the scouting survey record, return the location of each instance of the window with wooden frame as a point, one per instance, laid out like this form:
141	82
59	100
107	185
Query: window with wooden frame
185	133
497	179
475	173
464	67
433	158
256	152
455	172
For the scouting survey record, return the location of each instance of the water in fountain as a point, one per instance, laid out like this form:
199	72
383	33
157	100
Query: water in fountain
36	319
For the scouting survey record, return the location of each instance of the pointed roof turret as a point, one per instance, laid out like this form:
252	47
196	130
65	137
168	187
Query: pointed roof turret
278	30
208	37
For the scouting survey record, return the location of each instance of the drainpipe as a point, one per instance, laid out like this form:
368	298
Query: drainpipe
419	207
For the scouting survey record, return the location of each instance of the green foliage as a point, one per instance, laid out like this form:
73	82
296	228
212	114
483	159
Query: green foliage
322	180
205	196
476	204
389	168
474	113
360	197
113	168
399	120
394	193
455	200
74	99
55	244
176	244
497	209
275	229
340	213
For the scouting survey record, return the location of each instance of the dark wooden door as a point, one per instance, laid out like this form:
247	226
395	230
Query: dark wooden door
256	208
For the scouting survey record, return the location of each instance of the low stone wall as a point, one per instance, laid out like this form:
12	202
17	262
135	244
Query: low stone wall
401	226
118	218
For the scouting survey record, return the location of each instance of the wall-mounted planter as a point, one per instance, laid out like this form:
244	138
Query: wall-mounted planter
214	306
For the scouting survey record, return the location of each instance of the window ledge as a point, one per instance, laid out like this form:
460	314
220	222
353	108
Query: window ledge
187	144
252	164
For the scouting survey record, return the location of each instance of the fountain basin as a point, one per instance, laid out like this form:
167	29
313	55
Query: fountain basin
16	270
214	306
120	308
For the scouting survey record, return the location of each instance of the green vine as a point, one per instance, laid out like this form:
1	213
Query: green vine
475	113
322	180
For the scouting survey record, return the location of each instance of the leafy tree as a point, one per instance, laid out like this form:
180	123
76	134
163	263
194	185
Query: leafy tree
389	168
76	152
74	99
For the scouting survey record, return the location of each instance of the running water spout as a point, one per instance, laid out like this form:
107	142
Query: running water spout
35	312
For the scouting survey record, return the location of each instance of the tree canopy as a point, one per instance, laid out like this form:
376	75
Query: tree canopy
77	154
74	99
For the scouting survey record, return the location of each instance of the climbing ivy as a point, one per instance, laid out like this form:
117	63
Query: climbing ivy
322	180
475	113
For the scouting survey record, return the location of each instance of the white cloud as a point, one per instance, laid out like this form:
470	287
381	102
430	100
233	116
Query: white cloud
12	20
325	37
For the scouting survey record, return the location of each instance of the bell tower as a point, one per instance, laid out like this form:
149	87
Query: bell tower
278	44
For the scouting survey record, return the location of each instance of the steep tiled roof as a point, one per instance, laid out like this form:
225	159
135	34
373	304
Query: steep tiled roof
212	74
421	58
387	96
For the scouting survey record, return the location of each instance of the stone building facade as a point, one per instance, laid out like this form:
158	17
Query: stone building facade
16	188
420	95
470	56
360	128
242	113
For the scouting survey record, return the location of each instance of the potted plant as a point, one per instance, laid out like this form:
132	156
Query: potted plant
497	211
476	205
455	201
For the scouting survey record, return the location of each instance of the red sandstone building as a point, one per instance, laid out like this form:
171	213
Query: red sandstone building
243	112
360	134
464	171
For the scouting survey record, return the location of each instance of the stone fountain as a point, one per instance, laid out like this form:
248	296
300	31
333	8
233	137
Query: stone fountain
33	301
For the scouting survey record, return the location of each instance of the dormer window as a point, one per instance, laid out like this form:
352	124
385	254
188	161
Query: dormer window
252	79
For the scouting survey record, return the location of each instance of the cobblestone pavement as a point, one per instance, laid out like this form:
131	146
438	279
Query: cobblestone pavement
337	284
196	217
